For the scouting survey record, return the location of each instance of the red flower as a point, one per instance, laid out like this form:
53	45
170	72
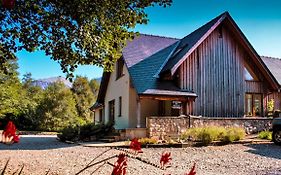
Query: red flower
192	171
135	145
120	165
9	4
165	158
10	131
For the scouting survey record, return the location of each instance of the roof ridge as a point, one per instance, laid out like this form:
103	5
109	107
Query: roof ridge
159	36
270	57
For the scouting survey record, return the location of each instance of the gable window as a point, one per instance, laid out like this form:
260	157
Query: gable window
249	74
120	106
119	68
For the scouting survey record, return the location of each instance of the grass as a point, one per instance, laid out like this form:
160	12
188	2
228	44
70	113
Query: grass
206	135
265	135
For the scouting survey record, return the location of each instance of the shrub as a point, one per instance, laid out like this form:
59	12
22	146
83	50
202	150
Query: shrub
265	135
206	135
145	141
84	132
234	134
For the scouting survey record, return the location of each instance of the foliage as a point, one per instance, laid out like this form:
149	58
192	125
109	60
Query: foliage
234	134
95	85
11	95
83	132
265	135
57	108
84	98
270	105
145	141
206	135
80	32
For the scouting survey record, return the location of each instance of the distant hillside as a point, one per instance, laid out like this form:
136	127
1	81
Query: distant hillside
44	83
98	79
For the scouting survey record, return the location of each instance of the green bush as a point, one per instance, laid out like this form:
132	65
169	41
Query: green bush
234	134
84	132
206	135
265	135
145	141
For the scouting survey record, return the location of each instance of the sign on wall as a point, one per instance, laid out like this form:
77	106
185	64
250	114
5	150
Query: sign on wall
176	104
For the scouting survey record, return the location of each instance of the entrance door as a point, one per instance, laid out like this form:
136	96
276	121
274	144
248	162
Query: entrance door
111	105
253	105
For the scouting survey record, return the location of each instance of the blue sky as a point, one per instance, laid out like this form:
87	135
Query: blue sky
259	20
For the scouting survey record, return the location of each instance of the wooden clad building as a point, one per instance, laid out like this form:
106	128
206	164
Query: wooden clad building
213	72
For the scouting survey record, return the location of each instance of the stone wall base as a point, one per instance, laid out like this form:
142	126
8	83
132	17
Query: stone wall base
164	127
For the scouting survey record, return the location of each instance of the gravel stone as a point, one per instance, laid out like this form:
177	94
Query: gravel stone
42	153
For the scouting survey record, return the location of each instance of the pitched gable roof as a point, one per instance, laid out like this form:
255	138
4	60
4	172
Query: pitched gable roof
147	56
193	40
137	50
274	65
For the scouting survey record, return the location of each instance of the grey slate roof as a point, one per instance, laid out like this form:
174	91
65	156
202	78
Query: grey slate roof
274	65
143	73
144	46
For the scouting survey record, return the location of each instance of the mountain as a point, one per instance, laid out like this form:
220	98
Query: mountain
44	83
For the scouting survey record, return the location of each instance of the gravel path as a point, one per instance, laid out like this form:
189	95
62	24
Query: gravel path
41	153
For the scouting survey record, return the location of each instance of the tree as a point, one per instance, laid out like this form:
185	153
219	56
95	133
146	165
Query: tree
57	108
73	33
95	85
84	98
27	80
11	95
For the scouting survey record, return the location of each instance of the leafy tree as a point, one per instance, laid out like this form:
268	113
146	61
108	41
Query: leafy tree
95	85
84	98
73	32
57	108
27	80
11	95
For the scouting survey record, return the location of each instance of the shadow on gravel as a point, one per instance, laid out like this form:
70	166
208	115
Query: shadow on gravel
36	142
265	149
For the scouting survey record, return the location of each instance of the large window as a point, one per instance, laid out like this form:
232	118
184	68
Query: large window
111	106
119	68
253	105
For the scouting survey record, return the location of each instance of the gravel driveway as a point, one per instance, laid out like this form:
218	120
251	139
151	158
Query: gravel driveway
41	153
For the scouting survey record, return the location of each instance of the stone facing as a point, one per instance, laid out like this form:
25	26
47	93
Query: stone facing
164	127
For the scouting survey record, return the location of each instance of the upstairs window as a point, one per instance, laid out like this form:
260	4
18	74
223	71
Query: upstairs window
249	74
119	68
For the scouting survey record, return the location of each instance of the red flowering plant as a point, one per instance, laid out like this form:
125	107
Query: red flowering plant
9	4
135	146
165	159
9	135
120	166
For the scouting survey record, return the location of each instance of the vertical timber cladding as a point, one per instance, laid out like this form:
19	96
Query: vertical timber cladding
215	72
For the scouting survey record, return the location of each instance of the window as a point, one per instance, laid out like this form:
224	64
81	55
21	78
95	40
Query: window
249	74
111	106
100	115
253	105
120	106
119	68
